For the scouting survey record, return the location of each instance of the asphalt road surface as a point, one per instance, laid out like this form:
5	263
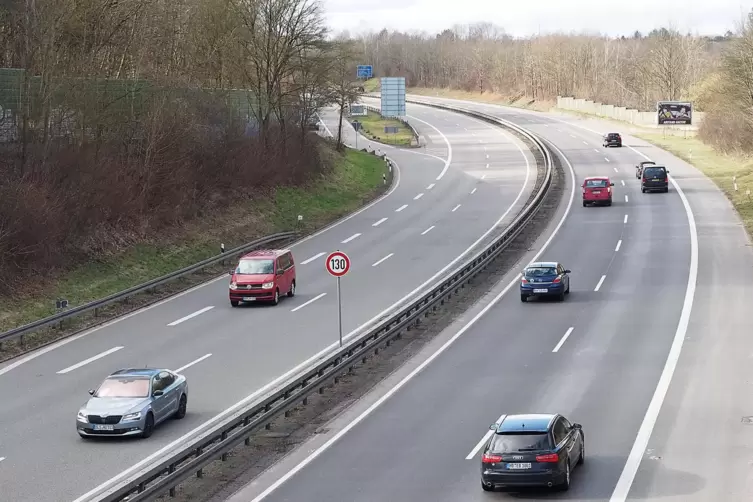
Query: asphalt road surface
470	178
649	353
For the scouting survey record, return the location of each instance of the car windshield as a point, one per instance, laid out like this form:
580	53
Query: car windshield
596	183
124	387
613	135
527	441
653	172
540	271
255	267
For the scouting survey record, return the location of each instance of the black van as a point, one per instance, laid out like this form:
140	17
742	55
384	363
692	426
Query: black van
655	178
612	139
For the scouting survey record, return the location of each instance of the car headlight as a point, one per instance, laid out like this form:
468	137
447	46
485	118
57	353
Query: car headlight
81	417
268	285
131	416
233	285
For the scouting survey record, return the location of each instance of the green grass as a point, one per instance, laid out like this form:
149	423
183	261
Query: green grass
356	178
372	85
373	126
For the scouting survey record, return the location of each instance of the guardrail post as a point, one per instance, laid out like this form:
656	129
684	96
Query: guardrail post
200	472
171	470
247	421
223	437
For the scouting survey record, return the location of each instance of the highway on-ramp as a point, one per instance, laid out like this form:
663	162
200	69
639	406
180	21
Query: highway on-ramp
650	274
470	180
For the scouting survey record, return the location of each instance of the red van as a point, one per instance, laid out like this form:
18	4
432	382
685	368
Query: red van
262	276
597	190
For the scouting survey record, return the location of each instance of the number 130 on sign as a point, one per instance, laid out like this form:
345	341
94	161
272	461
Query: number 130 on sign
338	264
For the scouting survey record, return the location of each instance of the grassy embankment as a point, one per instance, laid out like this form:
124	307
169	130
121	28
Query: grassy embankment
372	126
356	178
718	167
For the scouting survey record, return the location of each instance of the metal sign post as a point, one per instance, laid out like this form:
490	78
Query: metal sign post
338	265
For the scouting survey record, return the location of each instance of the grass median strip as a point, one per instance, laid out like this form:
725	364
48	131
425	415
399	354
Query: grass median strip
373	126
355	178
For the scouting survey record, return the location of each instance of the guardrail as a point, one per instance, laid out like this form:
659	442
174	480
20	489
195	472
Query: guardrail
216	442
123	295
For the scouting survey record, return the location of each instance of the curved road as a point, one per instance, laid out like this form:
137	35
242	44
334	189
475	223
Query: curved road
649	353
471	178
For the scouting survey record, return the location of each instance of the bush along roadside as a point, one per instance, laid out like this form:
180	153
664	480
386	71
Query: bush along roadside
353	178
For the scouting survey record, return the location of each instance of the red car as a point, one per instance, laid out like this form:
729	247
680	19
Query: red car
262	276
597	190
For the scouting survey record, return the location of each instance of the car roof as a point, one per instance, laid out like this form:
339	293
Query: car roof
536	422
647	162
658	165
596	178
264	253
543	264
611	133
140	372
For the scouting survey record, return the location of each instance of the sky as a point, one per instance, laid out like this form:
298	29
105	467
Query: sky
521	18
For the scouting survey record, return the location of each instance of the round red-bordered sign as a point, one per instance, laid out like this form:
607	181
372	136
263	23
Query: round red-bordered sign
338	264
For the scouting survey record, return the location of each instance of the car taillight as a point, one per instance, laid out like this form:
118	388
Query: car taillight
666	179
609	189
491	459
556	280
549	457
523	280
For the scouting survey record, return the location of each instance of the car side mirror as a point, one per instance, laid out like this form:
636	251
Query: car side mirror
231	272
91	392
577	426
667	171
493	427
158	393
611	184
567	271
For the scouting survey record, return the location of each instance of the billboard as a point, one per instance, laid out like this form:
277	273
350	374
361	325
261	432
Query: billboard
674	112
393	97
359	110
364	71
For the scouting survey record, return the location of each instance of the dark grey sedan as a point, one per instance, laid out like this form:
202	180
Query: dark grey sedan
131	402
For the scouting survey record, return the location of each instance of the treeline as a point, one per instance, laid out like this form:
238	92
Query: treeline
636	71
122	118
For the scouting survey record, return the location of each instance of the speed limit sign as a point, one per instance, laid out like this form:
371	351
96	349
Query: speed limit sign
338	264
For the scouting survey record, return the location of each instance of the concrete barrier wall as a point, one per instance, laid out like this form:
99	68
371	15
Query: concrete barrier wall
635	117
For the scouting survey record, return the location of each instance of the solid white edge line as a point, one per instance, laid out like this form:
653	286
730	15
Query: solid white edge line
299	307
382	260
418	196
619	245
625	219
427	230
601	281
191	316
377	223
448	161
456	208
401	208
90	360
431	358
351	238
196	361
624	483
306	262
489	433
109	484
563	339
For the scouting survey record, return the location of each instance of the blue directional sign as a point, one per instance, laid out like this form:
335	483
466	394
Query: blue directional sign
365	71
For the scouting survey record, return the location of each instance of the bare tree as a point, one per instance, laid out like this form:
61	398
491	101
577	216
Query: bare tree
344	88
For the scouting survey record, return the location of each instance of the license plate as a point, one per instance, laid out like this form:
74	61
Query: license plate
596	192
540	290
526	465
249	298
100	427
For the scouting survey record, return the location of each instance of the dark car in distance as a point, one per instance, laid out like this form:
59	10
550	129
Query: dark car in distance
532	450
642	165
612	139
655	178
544	278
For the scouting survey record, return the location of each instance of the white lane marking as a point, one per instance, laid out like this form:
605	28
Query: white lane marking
605	158
2	458
596	150
430	186
351	238
572	136
585	142
615	170
427	230
377	223
401	208
546	125
487	155
383	259
196	361
563	339
299	307
622	489
473	191
306	262
626	198
480	141
418	196
483	441
254	395
425	363
619	245
559	130
625	220
448	161
623	182
87	361
483	176
191	316
456	208
487	166
601	281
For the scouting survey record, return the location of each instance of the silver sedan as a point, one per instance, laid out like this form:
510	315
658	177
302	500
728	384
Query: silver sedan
131	402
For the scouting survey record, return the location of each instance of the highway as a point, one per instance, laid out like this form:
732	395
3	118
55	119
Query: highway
471	179
656	316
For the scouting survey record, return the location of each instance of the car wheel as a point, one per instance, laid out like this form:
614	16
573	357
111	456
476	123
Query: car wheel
148	426
585	203
666	190
582	458
523	298
609	202
234	303
567	291
291	293
566	484
487	488
181	413
561	296
277	297
643	190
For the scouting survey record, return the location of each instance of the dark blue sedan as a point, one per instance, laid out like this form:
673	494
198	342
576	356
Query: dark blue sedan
546	278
